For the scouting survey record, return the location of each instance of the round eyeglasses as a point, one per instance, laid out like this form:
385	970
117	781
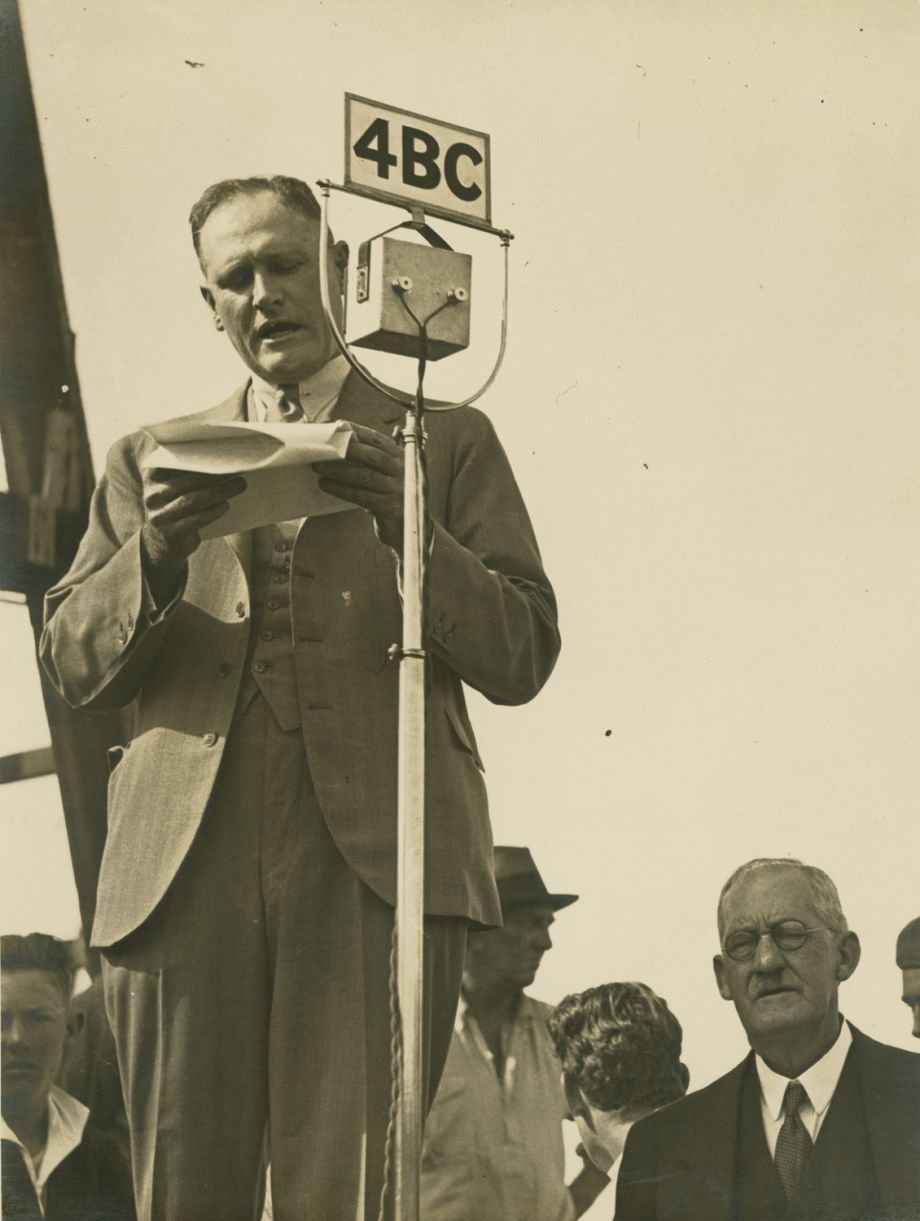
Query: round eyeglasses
786	935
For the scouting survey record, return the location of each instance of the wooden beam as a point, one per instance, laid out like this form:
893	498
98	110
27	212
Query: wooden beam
27	764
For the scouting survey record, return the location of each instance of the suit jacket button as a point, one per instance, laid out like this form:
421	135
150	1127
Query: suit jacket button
210	739
223	669
240	610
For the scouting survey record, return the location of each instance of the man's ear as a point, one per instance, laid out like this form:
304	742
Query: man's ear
208	298
718	965
848	955
574	1100
76	1019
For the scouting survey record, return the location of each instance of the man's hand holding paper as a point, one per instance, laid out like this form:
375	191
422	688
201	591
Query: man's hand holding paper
371	477
275	460
178	506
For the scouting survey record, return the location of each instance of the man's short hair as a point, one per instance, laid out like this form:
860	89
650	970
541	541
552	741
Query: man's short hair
827	900
295	194
620	1045
39	952
907	950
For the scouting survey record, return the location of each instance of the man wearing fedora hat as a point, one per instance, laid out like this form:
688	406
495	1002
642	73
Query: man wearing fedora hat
493	1140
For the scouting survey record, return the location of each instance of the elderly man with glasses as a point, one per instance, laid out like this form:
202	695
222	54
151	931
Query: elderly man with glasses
819	1120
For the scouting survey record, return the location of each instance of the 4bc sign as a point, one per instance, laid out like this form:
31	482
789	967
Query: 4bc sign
407	158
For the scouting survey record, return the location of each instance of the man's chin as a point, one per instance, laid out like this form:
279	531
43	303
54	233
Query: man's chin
21	1090
774	1012
288	365
281	369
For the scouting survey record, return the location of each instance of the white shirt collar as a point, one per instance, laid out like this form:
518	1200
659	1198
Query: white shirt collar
66	1120
318	392
819	1081
523	1012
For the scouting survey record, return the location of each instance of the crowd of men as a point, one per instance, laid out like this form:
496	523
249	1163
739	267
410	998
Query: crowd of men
819	1121
246	893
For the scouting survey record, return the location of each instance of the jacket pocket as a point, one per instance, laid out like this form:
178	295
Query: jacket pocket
463	734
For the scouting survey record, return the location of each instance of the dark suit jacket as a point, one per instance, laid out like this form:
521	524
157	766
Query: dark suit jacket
93	1183
492	624
679	1163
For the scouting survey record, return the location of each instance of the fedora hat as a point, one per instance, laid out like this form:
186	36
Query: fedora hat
519	882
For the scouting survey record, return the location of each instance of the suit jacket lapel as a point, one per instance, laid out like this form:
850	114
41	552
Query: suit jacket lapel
234	408
891	1115
710	1150
362	404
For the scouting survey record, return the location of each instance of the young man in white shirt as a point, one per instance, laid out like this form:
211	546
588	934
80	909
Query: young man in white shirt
54	1165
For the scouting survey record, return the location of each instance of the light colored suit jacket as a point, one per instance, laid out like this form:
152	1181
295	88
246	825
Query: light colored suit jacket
492	624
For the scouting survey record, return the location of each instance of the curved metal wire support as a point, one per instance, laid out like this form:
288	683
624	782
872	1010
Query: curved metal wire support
405	398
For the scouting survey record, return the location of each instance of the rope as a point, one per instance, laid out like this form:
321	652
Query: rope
395	1076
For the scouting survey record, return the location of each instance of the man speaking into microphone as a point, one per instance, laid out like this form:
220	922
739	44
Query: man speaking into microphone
246	893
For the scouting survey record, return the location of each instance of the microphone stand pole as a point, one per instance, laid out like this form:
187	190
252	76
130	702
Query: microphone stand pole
412	1088
411	826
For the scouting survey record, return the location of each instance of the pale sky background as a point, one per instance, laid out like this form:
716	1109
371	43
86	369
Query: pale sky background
709	399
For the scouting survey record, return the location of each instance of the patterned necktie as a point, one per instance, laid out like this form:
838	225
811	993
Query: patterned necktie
285	407
793	1144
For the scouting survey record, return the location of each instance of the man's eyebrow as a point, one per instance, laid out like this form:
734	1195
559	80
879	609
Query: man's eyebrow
288	252
227	270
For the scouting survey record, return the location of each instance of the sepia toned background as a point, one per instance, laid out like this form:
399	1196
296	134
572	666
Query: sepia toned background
709	399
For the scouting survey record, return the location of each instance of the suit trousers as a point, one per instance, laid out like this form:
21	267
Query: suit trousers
251	1010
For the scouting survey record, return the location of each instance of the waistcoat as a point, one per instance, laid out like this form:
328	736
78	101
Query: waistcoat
270	665
838	1183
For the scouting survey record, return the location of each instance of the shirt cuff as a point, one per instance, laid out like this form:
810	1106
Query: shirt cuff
156	614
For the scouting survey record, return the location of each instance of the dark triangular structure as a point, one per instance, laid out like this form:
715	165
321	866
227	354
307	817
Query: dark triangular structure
45	447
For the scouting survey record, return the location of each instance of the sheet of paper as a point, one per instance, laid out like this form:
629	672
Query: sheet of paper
275	460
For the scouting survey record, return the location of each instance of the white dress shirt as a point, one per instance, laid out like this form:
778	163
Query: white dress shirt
319	393
819	1083
66	1121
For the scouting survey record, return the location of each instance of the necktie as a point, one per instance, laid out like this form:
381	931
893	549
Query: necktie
19	1199
793	1144
285	406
